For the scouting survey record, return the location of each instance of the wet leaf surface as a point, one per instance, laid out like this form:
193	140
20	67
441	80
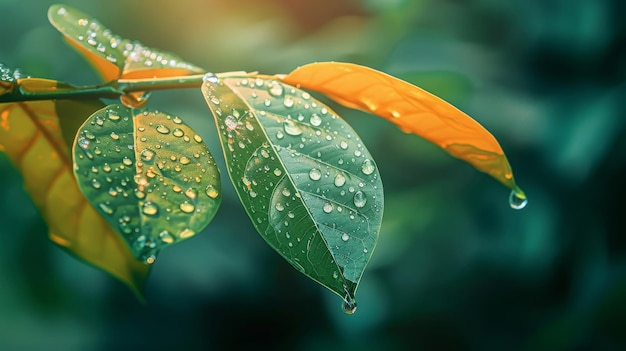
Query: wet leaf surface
309	185
148	174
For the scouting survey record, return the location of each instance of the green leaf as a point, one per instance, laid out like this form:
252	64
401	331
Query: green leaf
33	135
306	180
148	174
112	56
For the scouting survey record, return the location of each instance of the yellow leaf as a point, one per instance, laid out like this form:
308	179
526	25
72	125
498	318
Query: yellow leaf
412	109
30	134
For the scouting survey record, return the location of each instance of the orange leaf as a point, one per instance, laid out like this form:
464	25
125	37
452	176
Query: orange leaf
412	109
31	136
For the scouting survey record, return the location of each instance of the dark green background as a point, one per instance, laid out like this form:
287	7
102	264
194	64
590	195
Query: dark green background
455	268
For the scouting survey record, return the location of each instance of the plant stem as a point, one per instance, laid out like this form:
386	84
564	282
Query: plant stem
30	89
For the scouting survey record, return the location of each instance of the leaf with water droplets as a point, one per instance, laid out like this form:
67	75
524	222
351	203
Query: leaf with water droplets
33	135
148	174
306	180
410	108
112	56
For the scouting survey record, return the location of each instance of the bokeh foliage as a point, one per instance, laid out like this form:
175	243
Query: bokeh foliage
455	267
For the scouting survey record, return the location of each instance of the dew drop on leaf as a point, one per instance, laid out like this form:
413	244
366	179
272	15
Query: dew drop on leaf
187	207
275	89
166	237
340	180
211	192
231	122
315	174
150	209
315	120
211	78
359	199
177	132
328	208
367	167
162	129
291	128
83	143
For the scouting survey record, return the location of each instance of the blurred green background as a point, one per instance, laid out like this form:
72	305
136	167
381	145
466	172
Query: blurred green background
455	267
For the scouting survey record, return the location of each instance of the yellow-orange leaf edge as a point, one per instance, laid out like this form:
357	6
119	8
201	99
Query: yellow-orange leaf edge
411	108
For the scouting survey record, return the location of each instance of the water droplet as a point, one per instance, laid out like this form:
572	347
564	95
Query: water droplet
177	120
359	199
106	208
113	192
275	89
315	174
340	180
162	129
349	305
177	132
345	237
315	120
150	259
231	122
127	161
335	275
252	193
186	233
187	207
328	207
286	192
83	22
279	135
184	160
197	138
367	167
166	237
106	167
343	144
291	128
280	207
83	143
61	11
211	78
140	242
277	172
288	102
306	95
96	184
150	209
147	155
211	192
191	193
114	117
517	200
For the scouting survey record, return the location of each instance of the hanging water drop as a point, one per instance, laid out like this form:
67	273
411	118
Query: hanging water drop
517	200
349	305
